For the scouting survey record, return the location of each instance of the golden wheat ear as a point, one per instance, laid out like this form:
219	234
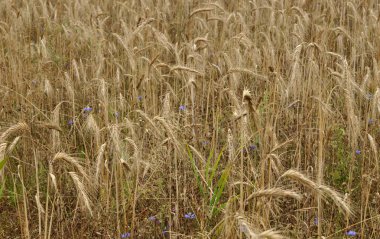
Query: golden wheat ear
14	130
318	189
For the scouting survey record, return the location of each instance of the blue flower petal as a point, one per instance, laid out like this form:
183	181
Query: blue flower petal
126	235
87	109
351	233
190	215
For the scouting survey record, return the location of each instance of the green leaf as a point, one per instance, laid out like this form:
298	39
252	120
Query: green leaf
219	190
196	171
208	165
2	163
215	167
1	191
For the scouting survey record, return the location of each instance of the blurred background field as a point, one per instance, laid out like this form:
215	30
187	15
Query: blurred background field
189	119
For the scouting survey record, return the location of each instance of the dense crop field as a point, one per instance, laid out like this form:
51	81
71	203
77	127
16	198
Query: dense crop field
189	119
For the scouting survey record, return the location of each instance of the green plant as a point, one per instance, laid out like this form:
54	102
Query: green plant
210	173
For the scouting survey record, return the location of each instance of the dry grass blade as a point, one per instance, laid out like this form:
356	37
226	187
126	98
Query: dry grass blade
198	154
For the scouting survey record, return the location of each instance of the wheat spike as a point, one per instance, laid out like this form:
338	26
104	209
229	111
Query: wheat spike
82	193
246	228
319	189
17	129
71	160
99	162
93	128
3	146
184	68
275	192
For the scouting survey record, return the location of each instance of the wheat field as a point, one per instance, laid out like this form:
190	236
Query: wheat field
189	119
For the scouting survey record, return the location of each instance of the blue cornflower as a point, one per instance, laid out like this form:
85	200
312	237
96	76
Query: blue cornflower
370	121
316	221
165	231
70	122
357	152
139	98
182	107
351	233
152	218
252	147
205	143
117	114
126	235
190	215
87	109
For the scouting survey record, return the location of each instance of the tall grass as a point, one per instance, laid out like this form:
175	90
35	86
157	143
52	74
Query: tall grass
189	119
